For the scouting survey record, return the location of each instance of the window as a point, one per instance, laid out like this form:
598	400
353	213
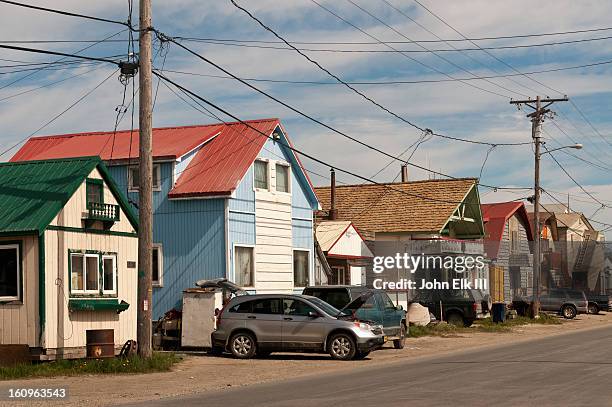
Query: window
338	276
282	178
109	274
134	177
300	268
261	174
242	308
10	272
158	266
95	191
266	306
93	273
297	308
386	301
243	266
514	241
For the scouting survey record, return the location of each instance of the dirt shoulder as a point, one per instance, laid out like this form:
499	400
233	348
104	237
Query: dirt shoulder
200	373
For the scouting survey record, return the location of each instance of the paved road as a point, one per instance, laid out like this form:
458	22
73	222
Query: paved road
573	369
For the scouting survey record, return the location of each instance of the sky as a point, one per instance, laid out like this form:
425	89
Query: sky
474	109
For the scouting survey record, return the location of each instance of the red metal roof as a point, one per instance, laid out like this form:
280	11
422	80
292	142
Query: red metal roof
495	216
216	169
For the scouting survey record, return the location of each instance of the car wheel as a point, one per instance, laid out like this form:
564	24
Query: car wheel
399	343
568	311
454	318
243	345
361	355
593	309
342	347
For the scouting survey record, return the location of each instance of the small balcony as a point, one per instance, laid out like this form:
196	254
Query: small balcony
106	213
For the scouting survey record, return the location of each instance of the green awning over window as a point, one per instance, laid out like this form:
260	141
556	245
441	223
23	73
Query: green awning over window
97	304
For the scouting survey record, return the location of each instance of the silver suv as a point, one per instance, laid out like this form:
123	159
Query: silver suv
252	325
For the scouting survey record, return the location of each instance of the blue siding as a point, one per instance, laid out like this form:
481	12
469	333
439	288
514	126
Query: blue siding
192	235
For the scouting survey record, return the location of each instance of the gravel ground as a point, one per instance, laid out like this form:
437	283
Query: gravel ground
202	373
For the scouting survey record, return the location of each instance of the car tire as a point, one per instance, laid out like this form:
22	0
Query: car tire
361	355
342	346
569	311
593	309
399	343
243	345
455	318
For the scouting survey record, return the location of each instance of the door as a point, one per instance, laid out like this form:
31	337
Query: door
300	330
338	275
392	316
264	320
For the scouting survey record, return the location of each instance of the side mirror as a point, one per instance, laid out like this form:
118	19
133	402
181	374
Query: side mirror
399	308
313	314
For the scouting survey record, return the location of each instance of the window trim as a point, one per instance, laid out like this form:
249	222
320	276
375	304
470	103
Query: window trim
248	246
94	181
288	167
267	162
156	168
18	245
160	265
100	292
297	249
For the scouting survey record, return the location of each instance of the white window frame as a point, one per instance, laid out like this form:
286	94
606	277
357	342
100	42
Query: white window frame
248	246
156	168
84	256
288	167
19	276
308	267
268	174
160	265
113	257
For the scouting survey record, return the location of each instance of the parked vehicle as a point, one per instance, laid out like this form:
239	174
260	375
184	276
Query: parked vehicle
599	302
566	302
368	305
457	307
260	324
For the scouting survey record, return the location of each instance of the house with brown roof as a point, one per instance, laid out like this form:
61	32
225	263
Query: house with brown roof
428	216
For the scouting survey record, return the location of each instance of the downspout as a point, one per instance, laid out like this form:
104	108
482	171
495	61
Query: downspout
41	287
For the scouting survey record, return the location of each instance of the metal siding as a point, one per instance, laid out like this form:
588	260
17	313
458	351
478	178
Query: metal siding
244	195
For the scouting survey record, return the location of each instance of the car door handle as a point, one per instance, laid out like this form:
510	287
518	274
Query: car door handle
252	317
288	319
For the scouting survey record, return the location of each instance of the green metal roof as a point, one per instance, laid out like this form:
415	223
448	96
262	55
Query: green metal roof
33	192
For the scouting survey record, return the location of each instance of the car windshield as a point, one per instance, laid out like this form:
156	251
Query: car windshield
325	307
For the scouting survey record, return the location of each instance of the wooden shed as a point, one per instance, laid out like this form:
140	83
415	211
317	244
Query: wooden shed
68	254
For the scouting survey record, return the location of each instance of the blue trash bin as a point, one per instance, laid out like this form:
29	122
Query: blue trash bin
499	312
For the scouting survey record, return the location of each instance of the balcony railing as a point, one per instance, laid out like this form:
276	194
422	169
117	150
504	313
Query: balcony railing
103	212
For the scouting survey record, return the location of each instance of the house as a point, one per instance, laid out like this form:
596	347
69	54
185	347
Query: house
227	202
345	251
68	256
577	259
438	217
508	240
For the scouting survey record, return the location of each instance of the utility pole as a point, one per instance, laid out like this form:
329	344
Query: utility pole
537	117
145	218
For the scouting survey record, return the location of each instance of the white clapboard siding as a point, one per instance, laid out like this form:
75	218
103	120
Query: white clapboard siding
19	320
274	244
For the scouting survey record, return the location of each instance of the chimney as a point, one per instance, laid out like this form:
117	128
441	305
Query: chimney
404	173
333	212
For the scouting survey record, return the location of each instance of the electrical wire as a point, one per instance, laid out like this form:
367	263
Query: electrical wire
60	114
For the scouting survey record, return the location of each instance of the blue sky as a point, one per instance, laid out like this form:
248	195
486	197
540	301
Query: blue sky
452	108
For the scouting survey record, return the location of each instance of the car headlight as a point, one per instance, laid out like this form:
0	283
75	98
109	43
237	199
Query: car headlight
363	325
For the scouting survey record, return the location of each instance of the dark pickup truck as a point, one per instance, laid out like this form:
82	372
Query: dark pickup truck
457	307
599	302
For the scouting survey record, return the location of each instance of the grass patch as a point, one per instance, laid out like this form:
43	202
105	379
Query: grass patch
442	329
159	362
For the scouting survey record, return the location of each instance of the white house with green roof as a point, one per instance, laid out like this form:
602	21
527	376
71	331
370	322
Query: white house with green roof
68	256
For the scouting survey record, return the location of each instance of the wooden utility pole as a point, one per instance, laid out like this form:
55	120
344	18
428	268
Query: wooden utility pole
145	220
537	116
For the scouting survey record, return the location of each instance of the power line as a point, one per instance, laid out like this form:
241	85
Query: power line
345	84
317	160
65	13
394	82
60	114
44	51
590	124
582	31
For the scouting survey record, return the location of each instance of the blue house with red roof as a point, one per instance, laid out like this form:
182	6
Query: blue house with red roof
227	202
